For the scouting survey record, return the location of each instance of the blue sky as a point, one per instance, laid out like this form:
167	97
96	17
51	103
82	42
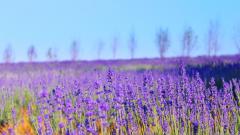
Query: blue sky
56	23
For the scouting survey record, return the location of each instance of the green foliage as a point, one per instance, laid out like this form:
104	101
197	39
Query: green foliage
27	98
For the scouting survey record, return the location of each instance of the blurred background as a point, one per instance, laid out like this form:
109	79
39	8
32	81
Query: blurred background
120	29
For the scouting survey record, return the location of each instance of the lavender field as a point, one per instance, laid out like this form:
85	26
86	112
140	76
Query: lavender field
144	97
119	67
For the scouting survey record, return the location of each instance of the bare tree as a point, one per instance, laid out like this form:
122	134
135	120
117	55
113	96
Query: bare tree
51	54
32	54
74	50
163	42
189	41
213	39
99	49
114	46
132	45
7	56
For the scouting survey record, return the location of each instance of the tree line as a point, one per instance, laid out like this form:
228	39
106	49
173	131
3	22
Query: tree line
188	42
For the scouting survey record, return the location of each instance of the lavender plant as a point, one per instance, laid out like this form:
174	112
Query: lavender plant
115	101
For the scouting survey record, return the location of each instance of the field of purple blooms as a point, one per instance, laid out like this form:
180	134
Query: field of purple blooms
101	98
